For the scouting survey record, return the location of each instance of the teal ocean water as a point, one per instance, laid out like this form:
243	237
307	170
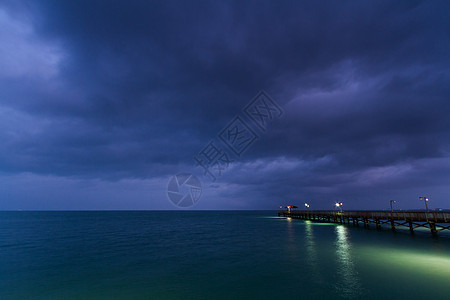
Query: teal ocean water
213	255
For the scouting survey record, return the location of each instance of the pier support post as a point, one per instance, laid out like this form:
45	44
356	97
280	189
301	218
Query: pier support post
433	228
366	223
377	223
411	228
392	224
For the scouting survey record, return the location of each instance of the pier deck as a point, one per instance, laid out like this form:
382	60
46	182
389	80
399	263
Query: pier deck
434	221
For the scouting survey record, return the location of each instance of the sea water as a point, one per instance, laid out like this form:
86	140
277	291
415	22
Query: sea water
213	255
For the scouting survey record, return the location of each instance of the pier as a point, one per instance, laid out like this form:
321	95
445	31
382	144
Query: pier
433	221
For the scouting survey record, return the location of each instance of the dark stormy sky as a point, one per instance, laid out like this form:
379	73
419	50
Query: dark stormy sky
102	102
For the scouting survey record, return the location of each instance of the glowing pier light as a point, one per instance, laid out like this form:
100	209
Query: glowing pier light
339	204
307	206
289	207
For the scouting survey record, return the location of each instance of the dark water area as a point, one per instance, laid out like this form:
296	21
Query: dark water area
213	255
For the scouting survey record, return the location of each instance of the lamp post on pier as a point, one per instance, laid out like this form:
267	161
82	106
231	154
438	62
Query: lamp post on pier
425	199
391	201
307	206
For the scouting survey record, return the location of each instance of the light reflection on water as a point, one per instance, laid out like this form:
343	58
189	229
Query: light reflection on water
435	267
311	252
347	284
292	246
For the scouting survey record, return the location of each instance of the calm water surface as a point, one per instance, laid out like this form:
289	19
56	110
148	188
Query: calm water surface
212	255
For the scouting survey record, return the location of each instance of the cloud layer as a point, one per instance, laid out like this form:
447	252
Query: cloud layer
113	92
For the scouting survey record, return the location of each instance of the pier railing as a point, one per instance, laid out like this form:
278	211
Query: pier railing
438	217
